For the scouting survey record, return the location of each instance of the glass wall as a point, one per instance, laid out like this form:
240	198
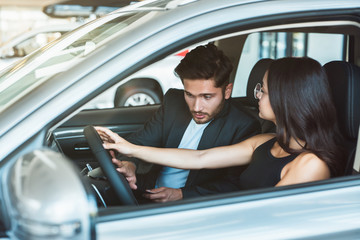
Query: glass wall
323	47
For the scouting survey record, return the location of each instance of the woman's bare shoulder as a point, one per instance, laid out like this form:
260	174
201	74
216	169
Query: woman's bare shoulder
306	167
311	165
308	158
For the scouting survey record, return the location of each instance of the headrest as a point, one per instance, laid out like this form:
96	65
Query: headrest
344	79
256	76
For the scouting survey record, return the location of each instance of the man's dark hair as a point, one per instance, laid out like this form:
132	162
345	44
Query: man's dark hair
205	62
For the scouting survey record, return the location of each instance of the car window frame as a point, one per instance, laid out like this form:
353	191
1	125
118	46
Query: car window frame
251	195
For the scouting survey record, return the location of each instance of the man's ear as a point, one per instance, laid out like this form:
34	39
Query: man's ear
228	90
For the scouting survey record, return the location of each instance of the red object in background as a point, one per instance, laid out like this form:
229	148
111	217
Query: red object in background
183	53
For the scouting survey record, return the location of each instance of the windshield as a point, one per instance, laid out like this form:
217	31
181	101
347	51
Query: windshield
18	80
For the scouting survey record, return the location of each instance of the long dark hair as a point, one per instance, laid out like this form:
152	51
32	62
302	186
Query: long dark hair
301	99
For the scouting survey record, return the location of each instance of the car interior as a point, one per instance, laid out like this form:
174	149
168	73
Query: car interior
343	74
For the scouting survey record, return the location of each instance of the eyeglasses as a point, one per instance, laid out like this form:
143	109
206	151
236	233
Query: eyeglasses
258	92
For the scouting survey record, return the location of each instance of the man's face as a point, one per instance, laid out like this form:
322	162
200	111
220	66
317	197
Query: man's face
204	99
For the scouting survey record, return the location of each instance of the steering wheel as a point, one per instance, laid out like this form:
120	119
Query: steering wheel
117	180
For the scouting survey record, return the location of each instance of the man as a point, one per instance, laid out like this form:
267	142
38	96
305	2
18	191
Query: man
199	117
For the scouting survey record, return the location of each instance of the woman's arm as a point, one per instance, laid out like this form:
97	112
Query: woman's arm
237	154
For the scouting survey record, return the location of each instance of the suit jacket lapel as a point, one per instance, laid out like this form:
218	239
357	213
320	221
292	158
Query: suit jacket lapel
179	125
175	136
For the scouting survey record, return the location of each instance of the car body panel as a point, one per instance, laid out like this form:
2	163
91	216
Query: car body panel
308	214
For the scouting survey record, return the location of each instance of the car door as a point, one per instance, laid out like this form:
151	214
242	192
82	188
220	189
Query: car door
306	211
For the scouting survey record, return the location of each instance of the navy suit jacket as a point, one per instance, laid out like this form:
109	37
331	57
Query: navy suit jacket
166	128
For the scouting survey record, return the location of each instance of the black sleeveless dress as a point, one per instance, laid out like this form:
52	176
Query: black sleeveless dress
264	169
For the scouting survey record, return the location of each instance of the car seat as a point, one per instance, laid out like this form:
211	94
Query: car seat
344	79
250	104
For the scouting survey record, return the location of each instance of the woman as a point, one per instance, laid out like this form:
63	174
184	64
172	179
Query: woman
295	95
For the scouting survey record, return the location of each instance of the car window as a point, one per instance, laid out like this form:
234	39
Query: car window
323	47
254	46
145	87
148	85
14	82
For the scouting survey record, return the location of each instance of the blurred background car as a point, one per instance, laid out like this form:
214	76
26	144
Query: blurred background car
145	87
27	42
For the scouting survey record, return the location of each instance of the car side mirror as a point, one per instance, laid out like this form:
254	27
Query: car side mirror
47	198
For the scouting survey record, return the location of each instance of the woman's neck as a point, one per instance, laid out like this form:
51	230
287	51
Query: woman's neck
279	152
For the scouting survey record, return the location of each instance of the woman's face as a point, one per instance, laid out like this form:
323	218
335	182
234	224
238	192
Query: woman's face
265	109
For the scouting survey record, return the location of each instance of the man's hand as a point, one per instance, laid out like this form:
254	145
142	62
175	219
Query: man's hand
164	194
128	170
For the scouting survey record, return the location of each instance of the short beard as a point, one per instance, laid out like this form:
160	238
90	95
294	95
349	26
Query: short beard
211	117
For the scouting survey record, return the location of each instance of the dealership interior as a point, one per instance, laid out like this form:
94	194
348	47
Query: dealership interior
26	25
18	16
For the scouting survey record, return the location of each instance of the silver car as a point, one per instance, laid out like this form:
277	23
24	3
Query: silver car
43	194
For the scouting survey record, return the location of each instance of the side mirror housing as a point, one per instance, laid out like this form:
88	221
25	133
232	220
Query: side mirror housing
47	199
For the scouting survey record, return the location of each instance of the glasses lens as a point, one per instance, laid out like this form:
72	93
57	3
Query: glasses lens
257	90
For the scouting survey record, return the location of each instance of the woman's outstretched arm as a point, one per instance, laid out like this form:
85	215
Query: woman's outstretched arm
237	154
